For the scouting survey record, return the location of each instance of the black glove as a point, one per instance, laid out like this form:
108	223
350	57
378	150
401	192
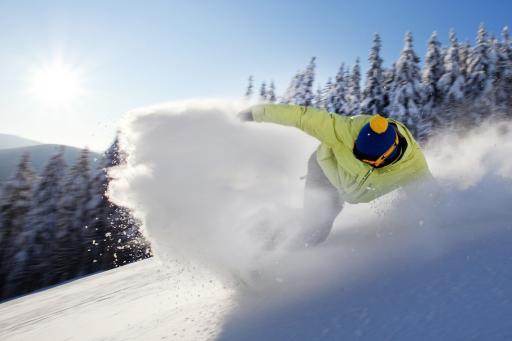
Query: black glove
245	115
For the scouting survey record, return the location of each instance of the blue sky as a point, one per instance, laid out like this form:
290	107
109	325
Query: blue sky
135	53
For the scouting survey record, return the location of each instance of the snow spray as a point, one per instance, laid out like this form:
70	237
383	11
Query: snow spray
205	183
213	189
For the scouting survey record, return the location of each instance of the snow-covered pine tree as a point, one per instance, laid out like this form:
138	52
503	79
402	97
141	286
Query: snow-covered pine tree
100	238
338	93
318	101
503	75
35	246
494	47
329	96
306	89
505	69
495	58
464	51
451	85
479	83
15	204
125	242
128	244
98	232
433	70
407	97
373	93
354	91
292	93
271	94
263	92
389	86
300	91
444	51
250	89
73	217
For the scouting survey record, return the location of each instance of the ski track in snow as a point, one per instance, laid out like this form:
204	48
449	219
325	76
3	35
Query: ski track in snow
143	301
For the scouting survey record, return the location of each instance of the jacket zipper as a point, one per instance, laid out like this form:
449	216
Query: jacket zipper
365	177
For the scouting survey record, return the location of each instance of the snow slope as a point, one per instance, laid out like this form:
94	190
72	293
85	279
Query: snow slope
431	264
399	292
142	301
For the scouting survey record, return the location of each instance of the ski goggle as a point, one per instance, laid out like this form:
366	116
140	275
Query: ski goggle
384	156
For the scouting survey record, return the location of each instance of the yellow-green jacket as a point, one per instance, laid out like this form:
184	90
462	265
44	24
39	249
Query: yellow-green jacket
357	181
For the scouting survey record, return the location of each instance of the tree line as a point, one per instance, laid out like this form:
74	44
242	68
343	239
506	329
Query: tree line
456	87
60	224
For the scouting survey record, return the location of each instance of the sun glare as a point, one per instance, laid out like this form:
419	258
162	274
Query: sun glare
57	83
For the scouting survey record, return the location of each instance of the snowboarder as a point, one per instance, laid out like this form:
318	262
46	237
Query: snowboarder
360	158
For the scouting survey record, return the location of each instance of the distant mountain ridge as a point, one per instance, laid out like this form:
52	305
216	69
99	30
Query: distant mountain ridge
8	141
39	155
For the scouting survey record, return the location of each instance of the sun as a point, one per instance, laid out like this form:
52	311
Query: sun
57	83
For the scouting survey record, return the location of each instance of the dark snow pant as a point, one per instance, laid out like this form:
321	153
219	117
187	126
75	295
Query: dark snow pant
322	204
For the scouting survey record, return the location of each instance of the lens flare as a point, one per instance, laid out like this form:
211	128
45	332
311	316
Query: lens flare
57	83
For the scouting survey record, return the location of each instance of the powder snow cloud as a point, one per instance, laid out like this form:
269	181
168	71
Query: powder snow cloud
213	189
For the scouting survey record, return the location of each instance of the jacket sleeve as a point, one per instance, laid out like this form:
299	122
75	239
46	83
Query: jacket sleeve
324	126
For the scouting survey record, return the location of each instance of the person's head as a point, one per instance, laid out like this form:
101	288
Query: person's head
377	142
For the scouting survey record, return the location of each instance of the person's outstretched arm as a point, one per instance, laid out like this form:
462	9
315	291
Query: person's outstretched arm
320	124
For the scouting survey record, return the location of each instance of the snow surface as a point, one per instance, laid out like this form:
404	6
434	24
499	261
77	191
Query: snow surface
463	294
142	301
434	264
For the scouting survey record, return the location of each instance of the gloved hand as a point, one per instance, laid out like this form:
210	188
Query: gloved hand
245	115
